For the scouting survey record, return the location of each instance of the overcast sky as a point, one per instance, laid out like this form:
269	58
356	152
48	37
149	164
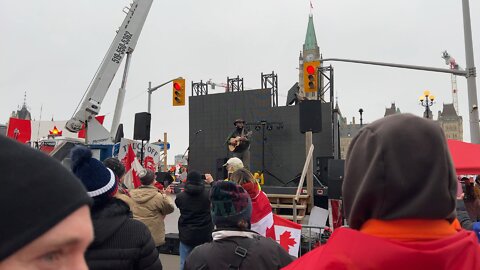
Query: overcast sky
51	49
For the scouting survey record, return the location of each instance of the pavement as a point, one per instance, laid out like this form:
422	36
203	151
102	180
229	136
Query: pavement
170	262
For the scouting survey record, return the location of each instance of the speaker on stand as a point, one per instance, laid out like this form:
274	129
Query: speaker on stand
141	129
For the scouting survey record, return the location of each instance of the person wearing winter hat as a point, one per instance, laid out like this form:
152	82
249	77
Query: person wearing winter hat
45	212
151	206
234	245
119	170
399	194
120	241
195	223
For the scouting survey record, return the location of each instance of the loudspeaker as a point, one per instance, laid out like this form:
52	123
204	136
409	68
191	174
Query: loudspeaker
310	116
336	169
321	168
165	178
221	172
141	130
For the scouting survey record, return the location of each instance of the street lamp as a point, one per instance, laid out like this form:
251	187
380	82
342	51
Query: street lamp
361	119
427	100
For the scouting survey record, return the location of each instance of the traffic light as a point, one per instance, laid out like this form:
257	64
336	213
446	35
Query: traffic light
310	76
178	94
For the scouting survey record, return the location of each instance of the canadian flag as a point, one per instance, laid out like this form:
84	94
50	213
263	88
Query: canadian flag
262	217
132	166
265	223
287	233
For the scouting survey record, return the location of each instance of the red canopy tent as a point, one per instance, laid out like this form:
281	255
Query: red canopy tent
466	157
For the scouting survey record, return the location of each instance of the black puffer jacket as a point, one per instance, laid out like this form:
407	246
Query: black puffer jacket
262	253
195	222
120	241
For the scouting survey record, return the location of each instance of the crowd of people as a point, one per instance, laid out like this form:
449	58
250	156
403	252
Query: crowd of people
404	205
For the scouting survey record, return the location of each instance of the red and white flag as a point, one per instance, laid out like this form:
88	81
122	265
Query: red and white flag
262	217
19	130
132	167
31	130
287	233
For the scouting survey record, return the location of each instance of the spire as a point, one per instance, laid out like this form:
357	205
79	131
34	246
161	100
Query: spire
24	100
301	56
310	38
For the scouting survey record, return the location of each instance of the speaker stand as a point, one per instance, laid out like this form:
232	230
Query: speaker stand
264	138
141	154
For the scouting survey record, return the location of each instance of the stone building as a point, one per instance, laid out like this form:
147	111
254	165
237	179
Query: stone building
451	122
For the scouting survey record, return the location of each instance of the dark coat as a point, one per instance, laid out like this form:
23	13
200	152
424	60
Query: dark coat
262	253
195	223
120	241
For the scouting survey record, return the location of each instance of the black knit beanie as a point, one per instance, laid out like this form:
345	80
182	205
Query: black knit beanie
99	180
37	193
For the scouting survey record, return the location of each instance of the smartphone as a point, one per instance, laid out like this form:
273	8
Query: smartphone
203	177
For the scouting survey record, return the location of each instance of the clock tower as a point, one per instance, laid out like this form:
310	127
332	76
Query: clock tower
311	52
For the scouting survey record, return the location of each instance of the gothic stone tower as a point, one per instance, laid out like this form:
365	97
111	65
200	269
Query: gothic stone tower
311	52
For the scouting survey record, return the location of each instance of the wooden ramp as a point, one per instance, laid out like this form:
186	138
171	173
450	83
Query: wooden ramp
279	202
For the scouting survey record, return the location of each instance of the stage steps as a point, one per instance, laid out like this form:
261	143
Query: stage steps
285	206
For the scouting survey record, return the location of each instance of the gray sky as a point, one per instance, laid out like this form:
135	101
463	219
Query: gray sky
51	49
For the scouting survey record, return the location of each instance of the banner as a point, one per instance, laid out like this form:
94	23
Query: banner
19	129
30	130
151	153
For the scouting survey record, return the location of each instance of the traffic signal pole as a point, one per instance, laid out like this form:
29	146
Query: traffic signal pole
470	74
151	90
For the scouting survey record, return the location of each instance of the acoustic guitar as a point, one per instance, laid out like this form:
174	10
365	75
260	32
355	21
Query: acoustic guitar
237	145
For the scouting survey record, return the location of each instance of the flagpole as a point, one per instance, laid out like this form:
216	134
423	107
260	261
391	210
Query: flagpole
39	121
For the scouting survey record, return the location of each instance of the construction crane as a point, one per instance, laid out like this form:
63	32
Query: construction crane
450	61
214	84
123	44
224	85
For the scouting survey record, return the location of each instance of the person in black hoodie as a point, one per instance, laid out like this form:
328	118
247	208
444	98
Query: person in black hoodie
120	242
195	223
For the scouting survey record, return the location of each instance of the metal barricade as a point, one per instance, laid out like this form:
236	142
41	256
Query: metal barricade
312	237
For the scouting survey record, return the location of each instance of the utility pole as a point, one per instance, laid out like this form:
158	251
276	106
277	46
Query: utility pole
471	75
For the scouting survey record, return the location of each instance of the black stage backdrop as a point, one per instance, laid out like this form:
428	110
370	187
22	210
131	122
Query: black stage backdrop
214	114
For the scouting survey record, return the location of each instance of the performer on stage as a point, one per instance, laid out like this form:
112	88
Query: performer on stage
239	144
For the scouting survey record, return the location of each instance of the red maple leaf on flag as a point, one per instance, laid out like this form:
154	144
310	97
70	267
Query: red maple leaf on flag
270	233
286	240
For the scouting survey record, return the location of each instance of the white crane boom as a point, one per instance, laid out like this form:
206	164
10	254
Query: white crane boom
450	61
124	41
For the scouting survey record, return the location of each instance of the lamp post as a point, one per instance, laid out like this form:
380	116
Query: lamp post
361	119
427	100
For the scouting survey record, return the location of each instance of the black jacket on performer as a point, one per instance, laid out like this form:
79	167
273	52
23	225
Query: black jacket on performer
120	241
260	253
195	223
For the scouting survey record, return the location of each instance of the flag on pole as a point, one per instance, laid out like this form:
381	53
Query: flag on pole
132	167
311	5
287	233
